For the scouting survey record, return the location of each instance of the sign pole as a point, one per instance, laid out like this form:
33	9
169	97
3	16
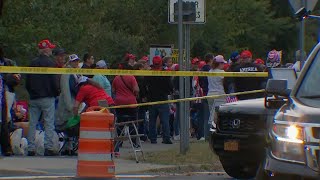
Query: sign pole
187	87
301	39
181	80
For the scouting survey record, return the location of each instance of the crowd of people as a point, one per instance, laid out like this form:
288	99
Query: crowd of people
54	99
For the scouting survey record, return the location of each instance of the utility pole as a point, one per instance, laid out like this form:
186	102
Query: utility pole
183	150
185	129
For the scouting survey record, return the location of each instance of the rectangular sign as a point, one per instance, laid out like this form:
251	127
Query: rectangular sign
200	11
175	56
160	50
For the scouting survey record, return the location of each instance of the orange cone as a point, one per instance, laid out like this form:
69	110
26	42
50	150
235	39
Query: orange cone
96	145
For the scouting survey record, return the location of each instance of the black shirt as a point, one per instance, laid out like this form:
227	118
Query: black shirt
243	84
158	88
203	81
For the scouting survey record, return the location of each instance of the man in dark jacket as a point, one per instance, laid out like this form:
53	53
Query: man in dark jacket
255	83
203	82
158	90
42	90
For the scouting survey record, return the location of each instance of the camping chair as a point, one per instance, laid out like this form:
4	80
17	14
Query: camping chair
69	137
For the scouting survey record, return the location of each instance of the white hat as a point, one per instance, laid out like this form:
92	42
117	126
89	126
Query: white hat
73	57
82	79
101	64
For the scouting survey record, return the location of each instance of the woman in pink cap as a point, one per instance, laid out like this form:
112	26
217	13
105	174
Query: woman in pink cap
215	85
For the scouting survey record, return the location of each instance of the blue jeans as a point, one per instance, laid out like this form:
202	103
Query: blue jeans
161	110
46	107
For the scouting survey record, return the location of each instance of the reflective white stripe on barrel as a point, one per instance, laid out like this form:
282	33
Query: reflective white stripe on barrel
96	134
94	157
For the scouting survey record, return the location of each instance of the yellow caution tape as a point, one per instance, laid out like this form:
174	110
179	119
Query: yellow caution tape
185	100
42	70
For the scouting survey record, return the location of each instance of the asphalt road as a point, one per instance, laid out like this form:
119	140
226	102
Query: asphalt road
194	177
197	177
136	177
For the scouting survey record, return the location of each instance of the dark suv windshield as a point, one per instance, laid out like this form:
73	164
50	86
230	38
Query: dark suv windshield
309	90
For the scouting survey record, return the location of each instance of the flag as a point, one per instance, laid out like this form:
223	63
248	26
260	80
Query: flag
231	99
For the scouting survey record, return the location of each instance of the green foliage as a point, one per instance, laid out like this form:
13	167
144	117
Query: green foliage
110	28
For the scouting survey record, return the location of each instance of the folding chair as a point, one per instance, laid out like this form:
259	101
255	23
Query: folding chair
125	133
129	134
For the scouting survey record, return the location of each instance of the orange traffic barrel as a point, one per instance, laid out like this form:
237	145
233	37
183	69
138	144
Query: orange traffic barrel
96	144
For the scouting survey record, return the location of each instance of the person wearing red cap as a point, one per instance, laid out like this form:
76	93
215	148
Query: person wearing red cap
201	64
42	89
260	63
241	84
158	90
246	56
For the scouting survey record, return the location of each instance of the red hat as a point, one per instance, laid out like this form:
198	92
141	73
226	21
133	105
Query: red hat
157	61
259	61
195	61
201	64
44	44
145	58
246	54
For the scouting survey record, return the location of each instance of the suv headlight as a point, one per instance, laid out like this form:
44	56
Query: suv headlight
288	133
288	142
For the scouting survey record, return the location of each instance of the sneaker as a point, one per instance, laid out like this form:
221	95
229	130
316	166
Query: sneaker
31	153
176	138
167	141
202	139
153	142
48	152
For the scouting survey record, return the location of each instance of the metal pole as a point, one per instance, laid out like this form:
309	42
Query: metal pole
301	37
301	45
181	81
187	86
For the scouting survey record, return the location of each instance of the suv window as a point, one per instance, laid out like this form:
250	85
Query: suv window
309	90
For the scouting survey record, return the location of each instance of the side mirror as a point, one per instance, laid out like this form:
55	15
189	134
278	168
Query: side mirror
278	87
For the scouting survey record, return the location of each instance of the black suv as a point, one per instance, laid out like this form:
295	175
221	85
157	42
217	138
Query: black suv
239	136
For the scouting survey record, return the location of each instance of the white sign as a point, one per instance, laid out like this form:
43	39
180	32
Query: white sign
160	50
200	11
308	4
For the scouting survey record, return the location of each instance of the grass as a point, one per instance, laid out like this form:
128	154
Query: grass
198	158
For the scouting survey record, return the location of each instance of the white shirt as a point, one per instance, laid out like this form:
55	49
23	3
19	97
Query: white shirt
215	83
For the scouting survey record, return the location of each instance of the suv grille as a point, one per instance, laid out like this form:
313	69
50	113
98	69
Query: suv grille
247	123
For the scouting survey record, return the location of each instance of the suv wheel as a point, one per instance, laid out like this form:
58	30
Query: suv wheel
239	169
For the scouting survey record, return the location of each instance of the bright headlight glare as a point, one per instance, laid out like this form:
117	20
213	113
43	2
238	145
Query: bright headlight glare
292	132
289	133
